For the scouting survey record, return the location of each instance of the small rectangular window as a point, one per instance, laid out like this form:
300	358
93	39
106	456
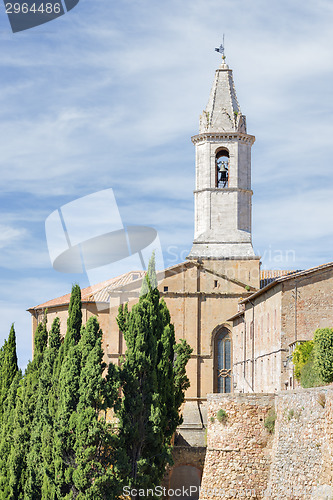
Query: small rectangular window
166	288
215	284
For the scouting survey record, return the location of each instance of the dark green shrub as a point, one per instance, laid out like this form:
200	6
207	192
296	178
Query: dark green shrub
212	419
222	416
323	339
270	420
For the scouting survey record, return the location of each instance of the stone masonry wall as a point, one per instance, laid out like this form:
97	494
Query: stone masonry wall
302	447
313	308
294	463
327	446
237	458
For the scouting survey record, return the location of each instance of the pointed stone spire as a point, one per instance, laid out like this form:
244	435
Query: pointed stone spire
222	113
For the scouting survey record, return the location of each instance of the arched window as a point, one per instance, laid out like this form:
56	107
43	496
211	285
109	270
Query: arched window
222	168
222	361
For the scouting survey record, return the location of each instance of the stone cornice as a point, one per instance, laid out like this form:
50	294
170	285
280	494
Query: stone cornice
225	190
223	136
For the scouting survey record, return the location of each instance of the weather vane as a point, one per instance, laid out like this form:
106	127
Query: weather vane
220	49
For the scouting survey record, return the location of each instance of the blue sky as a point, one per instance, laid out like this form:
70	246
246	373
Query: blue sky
110	94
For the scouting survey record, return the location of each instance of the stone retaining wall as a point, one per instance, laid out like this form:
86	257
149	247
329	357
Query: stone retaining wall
237	459
302	447
244	460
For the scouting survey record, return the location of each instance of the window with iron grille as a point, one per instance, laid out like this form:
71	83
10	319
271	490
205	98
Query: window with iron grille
223	361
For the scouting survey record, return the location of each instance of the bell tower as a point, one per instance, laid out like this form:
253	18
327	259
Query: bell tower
223	192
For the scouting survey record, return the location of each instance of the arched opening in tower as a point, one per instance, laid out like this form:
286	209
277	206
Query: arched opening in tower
222	168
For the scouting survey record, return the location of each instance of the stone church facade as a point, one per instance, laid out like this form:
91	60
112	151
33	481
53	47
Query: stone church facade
241	332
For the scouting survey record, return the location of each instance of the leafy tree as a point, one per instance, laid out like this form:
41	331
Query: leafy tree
310	376
153	383
301	355
323	339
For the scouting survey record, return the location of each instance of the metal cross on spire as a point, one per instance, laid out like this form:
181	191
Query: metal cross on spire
220	49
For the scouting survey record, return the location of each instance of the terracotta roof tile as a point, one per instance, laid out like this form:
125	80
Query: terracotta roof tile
95	293
100	291
289	276
269	275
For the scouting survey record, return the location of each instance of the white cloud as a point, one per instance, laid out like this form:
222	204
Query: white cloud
9	234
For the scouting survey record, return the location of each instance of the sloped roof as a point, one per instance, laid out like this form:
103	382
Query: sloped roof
95	293
275	280
267	276
101	291
290	276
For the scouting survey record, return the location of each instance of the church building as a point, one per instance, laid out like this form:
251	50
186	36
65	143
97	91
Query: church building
241	322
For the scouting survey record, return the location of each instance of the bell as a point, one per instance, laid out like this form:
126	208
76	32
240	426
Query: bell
223	166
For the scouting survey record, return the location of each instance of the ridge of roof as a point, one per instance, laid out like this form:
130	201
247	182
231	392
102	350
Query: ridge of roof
88	293
269	275
100	291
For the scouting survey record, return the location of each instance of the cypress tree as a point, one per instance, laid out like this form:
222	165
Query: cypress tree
15	454
150	281
63	399
39	461
95	442
74	320
10	378
7	436
64	435
74	323
83	449
8	365
153	384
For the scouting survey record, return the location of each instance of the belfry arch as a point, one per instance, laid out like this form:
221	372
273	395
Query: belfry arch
222	168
